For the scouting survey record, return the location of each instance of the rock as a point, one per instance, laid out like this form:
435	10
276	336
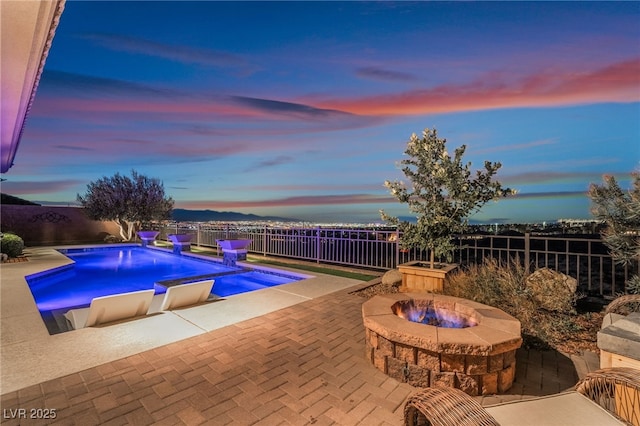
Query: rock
112	239
554	291
392	277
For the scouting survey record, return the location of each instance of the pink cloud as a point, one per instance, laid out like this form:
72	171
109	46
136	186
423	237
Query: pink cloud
227	113
618	82
54	105
308	188
319	200
28	188
106	146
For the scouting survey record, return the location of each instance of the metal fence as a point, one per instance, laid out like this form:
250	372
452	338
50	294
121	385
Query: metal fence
585	259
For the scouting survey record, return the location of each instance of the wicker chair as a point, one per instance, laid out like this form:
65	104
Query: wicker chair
619	338
607	396
624	305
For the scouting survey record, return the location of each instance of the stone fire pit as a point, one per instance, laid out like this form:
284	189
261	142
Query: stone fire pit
479	358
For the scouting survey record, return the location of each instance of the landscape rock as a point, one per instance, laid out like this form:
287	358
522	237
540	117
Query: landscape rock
112	239
554	291
392	277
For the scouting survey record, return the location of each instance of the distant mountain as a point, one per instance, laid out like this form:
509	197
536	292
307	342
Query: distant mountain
183	215
10	199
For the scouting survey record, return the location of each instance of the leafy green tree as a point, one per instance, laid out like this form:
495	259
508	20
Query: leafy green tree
444	194
620	212
128	201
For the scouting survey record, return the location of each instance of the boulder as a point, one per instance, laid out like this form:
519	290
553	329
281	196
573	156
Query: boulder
392	277
553	290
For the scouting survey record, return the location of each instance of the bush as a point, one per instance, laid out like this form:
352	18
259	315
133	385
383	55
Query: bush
11	245
495	284
505	286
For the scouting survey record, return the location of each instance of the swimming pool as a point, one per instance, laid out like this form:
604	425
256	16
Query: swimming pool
111	270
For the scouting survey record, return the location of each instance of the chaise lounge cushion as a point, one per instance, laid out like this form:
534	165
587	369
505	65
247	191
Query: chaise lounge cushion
186	294
111	308
564	409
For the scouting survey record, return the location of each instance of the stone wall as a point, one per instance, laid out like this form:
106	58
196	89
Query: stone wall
471	373
45	225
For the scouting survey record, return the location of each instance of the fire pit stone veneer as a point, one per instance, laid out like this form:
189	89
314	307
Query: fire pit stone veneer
480	360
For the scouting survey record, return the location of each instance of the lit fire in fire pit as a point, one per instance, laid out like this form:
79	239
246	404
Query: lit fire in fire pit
423	311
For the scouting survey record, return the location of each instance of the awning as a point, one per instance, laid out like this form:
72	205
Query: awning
28	27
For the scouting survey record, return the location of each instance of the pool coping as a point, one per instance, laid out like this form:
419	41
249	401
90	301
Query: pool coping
29	355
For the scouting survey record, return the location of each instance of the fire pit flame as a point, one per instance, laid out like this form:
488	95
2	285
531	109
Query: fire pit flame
425	313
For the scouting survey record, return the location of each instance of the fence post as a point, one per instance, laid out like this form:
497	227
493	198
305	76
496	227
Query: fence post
527	251
264	241
317	244
397	259
198	230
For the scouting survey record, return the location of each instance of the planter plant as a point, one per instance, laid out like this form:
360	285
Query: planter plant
619	210
443	194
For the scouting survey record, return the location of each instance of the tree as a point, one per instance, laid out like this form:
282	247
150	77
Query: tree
620	212
128	201
443	196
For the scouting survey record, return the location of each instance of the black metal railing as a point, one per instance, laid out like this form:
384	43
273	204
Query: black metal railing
585	259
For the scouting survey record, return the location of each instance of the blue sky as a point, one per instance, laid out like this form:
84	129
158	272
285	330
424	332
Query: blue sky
303	110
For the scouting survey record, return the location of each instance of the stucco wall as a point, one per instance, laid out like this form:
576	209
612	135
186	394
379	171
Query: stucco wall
44	225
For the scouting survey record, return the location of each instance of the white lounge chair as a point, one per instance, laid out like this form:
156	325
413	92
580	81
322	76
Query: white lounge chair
186	294
111	308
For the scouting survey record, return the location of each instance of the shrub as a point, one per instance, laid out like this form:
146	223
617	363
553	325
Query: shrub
12	245
620	211
504	285
495	283
633	285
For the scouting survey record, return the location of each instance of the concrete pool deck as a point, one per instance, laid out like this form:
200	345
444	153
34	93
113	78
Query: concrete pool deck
301	364
29	355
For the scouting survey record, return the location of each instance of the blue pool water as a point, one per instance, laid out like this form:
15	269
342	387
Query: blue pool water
112	270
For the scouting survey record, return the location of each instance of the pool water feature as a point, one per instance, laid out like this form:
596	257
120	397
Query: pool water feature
104	271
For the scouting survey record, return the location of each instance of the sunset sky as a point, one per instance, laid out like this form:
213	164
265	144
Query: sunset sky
303	110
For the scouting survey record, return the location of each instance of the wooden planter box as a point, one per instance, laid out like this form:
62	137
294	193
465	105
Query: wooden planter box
418	277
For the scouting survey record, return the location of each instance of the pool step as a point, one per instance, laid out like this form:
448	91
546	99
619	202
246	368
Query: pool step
55	321
185	280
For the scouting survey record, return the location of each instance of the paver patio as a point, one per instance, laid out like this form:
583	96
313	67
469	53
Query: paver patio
303	364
